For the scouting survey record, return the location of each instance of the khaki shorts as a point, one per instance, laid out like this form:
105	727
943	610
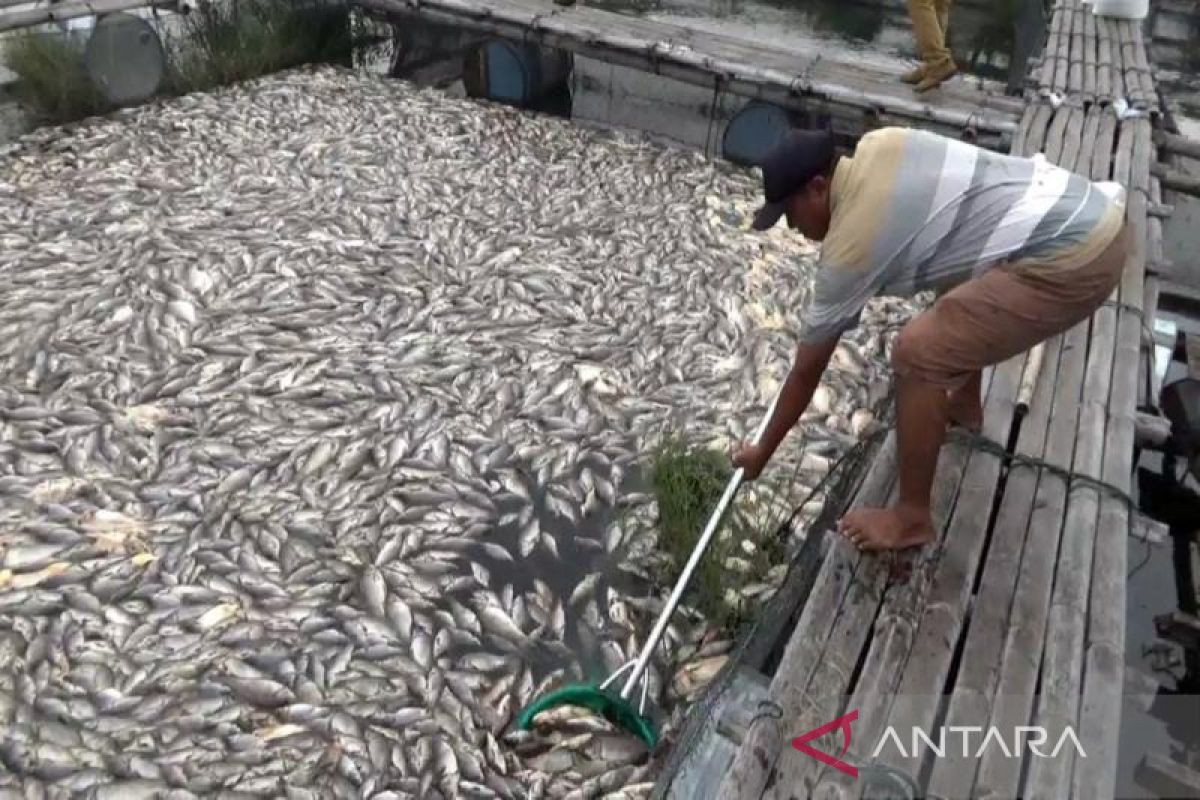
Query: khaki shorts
1004	312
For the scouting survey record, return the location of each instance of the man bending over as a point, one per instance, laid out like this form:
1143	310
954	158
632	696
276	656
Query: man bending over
1025	249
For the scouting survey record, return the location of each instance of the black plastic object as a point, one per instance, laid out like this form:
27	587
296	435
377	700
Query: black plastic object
125	58
1181	404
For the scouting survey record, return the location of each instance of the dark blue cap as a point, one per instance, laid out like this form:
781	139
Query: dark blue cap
796	159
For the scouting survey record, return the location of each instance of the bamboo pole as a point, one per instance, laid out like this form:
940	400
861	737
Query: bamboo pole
1179	145
1089	58
1103	152
1051	54
1104	657
1029	378
1063	60
1118	74
1145	72
13	20
1129	64
1054	135
1075	71
1104	82
1087	142
1176	181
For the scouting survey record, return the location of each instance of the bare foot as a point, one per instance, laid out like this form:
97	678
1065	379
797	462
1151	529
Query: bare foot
965	411
887	528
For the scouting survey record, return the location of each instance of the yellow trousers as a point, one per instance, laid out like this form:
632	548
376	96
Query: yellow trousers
930	19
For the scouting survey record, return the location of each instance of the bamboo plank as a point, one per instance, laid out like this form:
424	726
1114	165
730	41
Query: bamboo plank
1025	637
1167	776
1075	70
1072	139
1035	134
1103	152
829	681
1104	675
1143	151
1054	134
1123	156
1176	181
923	662
1051	53
1180	145
1155	226
1118	74
1138	202
1104	83
1104	451
1089	57
1129	64
975	690
1145	71
1087	144
1059	699
755	758
1018	142
1062	60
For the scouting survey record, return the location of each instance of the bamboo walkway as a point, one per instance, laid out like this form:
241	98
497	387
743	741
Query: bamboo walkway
1017	616
739	66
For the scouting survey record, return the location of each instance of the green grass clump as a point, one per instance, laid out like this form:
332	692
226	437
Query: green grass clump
218	43
229	42
53	85
687	483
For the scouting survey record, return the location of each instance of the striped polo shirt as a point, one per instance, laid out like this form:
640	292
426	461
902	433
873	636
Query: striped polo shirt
914	211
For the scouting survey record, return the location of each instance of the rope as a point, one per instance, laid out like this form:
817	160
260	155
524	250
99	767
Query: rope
876	774
712	117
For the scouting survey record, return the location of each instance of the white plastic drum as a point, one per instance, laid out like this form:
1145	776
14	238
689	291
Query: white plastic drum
1121	9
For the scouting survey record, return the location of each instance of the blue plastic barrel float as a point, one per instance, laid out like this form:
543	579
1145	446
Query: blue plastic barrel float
753	131
515	74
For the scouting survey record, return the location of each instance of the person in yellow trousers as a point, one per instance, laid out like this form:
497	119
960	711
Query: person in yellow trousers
930	19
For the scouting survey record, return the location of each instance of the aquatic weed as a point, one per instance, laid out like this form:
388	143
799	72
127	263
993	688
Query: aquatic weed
52	82
687	482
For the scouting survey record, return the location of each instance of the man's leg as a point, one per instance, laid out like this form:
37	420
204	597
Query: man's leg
937	64
966	404
983	322
943	14
922	409
927	35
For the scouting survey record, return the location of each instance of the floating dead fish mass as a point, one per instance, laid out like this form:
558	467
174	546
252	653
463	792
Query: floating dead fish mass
322	399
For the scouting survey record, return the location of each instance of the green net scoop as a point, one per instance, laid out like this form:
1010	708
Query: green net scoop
617	711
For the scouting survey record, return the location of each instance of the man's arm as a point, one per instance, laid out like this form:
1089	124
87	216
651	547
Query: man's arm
802	381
